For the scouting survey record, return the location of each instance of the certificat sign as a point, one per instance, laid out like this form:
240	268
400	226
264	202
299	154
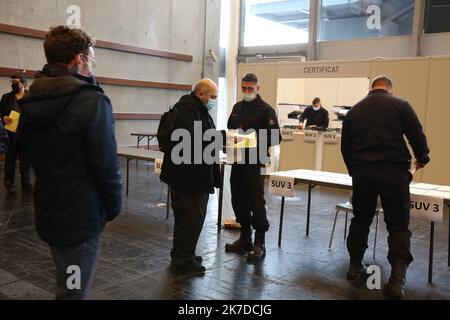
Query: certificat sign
282	186
287	134
158	166
311	136
427	208
330	138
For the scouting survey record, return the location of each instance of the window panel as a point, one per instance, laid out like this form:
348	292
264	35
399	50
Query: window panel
275	22
362	19
437	16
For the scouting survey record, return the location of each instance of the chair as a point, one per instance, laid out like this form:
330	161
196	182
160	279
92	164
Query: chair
348	208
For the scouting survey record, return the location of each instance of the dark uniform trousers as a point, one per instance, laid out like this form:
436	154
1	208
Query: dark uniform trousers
189	210
247	196
16	149
391	183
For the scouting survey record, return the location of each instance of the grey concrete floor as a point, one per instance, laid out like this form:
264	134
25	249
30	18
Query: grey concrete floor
135	253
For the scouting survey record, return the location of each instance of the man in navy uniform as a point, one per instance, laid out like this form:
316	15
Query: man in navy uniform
247	182
378	159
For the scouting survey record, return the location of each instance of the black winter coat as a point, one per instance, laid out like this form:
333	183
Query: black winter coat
68	127
190	177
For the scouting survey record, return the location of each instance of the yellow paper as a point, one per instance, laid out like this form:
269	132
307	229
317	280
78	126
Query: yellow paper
15	116
248	141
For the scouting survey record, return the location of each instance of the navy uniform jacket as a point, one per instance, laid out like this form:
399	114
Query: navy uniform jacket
255	115
374	129
318	118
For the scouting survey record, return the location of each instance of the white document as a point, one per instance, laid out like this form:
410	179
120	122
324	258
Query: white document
311	136
287	134
330	137
282	186
427	208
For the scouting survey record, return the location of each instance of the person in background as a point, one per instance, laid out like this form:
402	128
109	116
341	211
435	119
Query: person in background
8	103
246	181
316	116
377	158
68	125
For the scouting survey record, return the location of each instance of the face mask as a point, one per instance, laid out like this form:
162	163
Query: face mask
316	108
249	97
15	87
211	104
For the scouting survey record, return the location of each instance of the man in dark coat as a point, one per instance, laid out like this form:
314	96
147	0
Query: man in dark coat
10	102
377	158
68	124
192	181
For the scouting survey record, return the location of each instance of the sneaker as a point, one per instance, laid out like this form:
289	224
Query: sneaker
193	268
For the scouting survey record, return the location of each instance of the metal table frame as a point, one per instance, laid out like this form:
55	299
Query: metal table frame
142	136
157	155
151	158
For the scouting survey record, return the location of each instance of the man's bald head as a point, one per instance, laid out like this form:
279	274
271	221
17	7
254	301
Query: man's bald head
382	82
205	90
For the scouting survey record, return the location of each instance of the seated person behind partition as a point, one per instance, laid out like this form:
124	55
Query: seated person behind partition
315	116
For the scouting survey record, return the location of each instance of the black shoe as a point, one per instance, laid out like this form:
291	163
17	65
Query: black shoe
356	270
240	246
259	249
199	259
395	288
257	254
27	188
193	268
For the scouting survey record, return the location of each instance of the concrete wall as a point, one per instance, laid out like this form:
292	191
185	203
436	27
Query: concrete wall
169	25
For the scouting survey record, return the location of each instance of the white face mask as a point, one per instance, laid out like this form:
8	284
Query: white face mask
249	97
316	108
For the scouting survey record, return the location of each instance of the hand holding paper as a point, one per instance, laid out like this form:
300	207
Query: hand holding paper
12	126
240	141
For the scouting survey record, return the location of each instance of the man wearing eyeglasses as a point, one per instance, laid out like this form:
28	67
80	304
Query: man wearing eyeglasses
8	103
69	128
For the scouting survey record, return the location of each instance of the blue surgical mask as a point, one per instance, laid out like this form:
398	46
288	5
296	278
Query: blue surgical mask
211	104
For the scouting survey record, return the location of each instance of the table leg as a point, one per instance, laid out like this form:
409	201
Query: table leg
219	215
430	263
128	173
138	141
280	232
308	213
168	202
